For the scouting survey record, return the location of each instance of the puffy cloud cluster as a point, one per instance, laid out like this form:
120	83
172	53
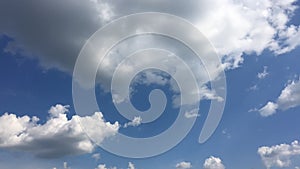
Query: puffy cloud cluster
58	136
213	163
246	26
279	155
289	98
183	165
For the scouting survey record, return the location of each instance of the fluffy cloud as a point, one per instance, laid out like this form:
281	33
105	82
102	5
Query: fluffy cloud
57	137
269	109
183	165
213	163
135	122
289	98
235	28
279	155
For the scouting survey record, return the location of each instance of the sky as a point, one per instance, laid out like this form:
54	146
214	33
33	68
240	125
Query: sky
224	72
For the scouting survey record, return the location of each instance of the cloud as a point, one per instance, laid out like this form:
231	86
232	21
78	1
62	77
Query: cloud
53	31
213	163
263	74
183	165
103	166
288	98
235	28
269	109
279	155
57	137
135	122
66	166
96	156
131	165
191	114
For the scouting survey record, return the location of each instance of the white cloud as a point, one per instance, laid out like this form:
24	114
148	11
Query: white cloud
247	26
269	109
135	122
192	114
58	109
213	163
101	166
131	165
235	27
288	98
57	137
279	155
183	165
96	156
263	74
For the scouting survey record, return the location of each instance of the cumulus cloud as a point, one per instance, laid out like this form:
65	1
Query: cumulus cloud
183	165
279	155
269	109
288	98
135	122
213	163
235	28
248	27
58	136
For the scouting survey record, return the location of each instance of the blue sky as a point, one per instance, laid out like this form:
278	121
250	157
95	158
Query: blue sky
258	42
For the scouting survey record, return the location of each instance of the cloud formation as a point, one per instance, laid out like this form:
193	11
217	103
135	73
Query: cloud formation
135	122
288	98
183	165
279	155
213	163
57	137
264	74
234	27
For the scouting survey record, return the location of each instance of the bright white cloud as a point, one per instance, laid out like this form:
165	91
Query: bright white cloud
58	109
269	109
279	155
249	26
183	165
213	163
57	137
135	122
288	98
